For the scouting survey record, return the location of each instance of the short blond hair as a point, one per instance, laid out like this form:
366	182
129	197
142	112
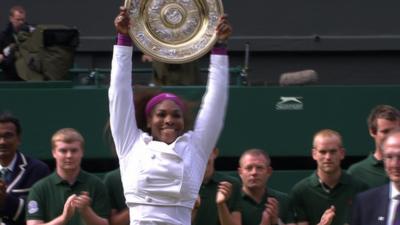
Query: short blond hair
328	133
67	135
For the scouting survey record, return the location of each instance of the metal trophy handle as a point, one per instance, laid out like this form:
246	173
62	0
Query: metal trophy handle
174	31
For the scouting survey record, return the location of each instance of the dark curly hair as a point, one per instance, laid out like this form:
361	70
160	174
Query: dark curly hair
8	117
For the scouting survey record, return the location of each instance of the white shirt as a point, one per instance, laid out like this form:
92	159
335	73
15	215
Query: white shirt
11	165
393	194
161	181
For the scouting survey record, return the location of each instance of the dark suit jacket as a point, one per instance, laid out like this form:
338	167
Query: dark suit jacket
26	172
371	207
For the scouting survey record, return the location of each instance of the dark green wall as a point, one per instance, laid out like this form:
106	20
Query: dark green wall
252	118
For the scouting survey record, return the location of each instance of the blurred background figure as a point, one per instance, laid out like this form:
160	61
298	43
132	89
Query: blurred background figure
174	74
219	197
8	42
119	209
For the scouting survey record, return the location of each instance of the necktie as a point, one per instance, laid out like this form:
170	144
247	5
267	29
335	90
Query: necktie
5	175
396	220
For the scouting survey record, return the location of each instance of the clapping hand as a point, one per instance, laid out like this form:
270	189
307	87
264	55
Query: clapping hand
271	212
327	217
224	192
82	201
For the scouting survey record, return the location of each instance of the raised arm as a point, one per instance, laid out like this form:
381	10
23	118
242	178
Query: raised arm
122	111
210	119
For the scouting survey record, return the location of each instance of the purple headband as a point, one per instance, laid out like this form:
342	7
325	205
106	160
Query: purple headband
161	97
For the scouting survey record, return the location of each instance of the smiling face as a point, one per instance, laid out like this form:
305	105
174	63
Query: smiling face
166	121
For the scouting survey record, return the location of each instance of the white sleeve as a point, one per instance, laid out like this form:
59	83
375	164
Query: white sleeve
121	105
210	119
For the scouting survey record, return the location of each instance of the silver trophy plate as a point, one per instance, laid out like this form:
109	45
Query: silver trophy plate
174	31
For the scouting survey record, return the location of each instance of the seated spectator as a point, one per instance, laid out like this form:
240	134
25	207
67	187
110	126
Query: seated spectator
18	172
381	120
219	197
325	197
260	204
69	195
17	23
119	210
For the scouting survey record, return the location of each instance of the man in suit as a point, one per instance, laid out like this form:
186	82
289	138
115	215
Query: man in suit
379	205
18	172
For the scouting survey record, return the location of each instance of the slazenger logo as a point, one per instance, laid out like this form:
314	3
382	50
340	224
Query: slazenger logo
289	103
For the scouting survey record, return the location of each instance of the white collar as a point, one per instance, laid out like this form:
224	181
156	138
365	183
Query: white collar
12	163
394	193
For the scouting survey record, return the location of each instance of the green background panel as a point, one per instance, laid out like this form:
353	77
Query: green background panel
252	118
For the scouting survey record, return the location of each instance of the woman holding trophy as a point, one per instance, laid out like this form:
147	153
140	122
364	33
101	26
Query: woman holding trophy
162	165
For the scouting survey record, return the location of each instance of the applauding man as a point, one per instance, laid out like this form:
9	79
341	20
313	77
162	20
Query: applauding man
69	195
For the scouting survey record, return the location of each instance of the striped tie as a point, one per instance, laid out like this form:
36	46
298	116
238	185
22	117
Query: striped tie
5	175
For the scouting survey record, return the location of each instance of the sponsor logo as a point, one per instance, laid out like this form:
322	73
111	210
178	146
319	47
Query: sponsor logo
33	207
289	103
